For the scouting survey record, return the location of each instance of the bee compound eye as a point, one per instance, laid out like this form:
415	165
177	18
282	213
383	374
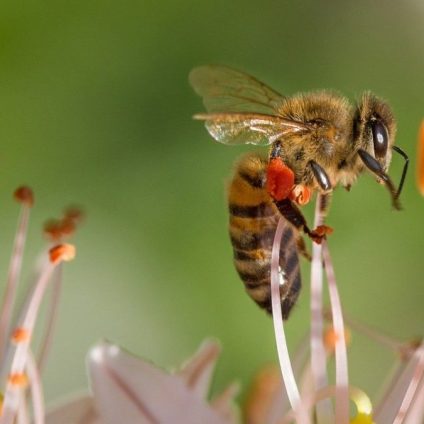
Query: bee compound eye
380	138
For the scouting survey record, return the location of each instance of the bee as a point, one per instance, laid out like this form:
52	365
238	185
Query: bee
317	140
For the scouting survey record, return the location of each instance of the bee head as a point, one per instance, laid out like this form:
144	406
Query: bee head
375	128
374	131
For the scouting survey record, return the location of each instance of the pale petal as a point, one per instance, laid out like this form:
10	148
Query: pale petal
77	411
131	391
391	401
197	371
224	402
416	413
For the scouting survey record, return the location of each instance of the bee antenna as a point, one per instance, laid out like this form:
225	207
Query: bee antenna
405	168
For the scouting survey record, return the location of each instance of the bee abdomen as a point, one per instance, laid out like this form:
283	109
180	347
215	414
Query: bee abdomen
253	221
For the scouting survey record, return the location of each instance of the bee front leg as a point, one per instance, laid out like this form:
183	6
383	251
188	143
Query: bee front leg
292	213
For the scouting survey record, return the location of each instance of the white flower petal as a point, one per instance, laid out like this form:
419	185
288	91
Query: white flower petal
197	371
131	391
224	402
77	411
391	401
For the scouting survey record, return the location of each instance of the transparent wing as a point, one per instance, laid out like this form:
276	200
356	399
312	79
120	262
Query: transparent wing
227	90
249	128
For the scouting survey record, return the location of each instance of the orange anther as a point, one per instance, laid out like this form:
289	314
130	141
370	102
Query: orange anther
74	213
20	334
67	226
331	337
62	252
420	160
279	180
52	229
24	195
18	379
300	194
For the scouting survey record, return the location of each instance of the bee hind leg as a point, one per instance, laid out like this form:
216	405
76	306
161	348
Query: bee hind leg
302	249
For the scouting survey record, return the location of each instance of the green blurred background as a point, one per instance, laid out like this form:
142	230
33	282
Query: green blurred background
95	108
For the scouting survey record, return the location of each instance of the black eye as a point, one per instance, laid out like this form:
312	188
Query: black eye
380	138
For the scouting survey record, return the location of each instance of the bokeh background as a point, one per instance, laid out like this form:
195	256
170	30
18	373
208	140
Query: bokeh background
95	109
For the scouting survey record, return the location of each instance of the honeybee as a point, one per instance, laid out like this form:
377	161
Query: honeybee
317	141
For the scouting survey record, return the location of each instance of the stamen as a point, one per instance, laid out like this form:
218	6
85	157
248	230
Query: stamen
62	252
280	338
19	354
18	379
36	389
20	335
51	317
52	229
24	195
74	213
342	379
331	338
324	409
67	227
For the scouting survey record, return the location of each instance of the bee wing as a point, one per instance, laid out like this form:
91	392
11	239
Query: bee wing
227	90
249	128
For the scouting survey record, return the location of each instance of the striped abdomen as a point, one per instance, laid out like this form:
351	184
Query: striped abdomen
253	221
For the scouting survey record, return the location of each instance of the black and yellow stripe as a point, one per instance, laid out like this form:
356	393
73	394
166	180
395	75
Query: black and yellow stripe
253	221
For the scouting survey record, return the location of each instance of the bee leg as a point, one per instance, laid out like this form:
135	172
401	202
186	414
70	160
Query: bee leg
293	214
301	248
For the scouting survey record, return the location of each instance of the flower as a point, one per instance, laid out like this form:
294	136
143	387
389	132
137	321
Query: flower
130	390
19	368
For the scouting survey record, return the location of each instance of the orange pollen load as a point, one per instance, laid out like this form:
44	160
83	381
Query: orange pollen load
24	195
62	252
280	179
300	194
18	379
20	335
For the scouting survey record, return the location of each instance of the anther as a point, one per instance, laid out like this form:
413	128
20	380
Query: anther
331	337
52	229
20	335
67	226
73	213
62	252
24	195
18	379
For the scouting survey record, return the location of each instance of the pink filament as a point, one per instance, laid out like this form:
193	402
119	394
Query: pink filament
324	410
13	277
413	386
19	354
280	338
342	379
